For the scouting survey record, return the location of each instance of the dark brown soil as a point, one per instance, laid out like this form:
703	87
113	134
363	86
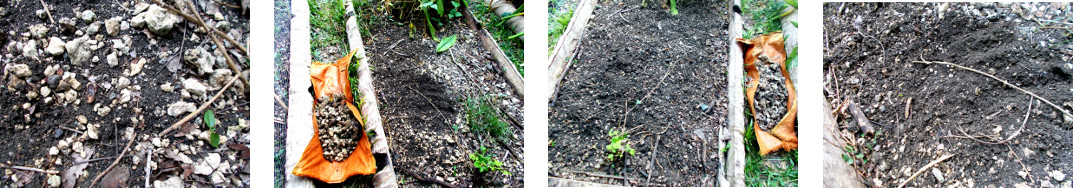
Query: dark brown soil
421	94
28	142
872	66
627	53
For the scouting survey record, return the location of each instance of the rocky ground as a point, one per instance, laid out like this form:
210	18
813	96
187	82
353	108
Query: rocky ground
84	78
920	110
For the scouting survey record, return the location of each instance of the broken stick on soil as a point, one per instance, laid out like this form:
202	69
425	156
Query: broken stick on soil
32	169
922	61
1015	133
922	169
199	109
101	174
45	6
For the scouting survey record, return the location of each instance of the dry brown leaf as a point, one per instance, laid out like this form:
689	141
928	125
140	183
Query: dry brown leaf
71	174
116	178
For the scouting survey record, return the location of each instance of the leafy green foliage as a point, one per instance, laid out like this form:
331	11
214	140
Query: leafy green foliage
483	118
446	43
757	173
511	43
486	163
443	13
674	7
558	20
791	59
619	145
328	21
765	14
210	120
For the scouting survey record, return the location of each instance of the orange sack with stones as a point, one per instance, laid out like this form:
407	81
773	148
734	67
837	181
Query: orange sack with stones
328	79
782	136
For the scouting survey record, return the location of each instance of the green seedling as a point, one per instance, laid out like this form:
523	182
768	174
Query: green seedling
619	146
485	163
210	120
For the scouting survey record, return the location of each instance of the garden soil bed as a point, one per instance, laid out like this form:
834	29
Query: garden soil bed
625	53
1004	39
421	94
29	140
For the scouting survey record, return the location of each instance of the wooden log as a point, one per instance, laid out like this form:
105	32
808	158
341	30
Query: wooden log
509	71
561	57
369	106
837	173
735	160
504	7
300	113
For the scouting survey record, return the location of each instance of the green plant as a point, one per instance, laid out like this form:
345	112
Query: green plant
674	7
558	20
442	13
510	42
619	145
328	21
765	14
485	163
791	59
446	43
483	118
210	120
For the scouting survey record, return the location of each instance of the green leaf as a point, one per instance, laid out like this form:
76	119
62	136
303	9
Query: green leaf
792	3
794	22
791	60
446	43
210	119
674	7
440	5
214	139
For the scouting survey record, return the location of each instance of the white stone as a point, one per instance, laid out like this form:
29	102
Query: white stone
122	83
111	26
173	182
30	49
53	181
178	108
21	70
1058	175
53	151
213	159
137	67
194	87
38	31
55	46
200	58
203	168
113	59
159	20
124	96
88	16
167	87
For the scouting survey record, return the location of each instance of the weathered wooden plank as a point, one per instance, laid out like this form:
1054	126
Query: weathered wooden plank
300	113
563	53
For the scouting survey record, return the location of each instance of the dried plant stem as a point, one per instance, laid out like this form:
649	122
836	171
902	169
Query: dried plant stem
922	61
32	169
1015	133
45	6
116	161
932	163
199	109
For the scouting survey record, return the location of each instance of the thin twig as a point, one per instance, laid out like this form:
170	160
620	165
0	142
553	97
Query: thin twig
922	61
932	163
226	4
605	176
69	129
431	103
95	160
32	169
1015	133
426	179
281	103
650	91
45	6
199	109
101	174
1025	168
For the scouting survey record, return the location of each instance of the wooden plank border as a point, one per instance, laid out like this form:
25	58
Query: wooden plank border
563	53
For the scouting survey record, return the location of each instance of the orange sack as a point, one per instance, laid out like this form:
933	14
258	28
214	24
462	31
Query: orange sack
782	136
331	79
